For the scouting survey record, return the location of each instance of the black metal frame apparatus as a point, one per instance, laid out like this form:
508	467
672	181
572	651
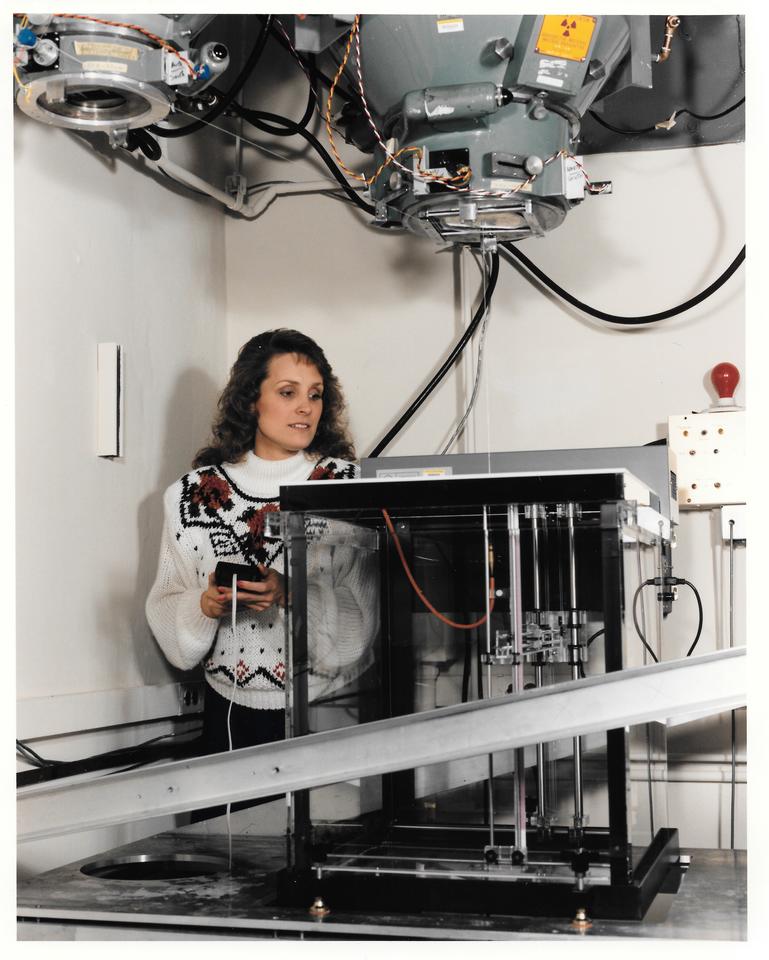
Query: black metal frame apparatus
552	868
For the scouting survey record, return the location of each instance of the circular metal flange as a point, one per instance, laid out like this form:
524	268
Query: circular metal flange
465	218
96	102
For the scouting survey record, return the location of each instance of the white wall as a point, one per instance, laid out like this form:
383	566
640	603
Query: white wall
388	306
103	253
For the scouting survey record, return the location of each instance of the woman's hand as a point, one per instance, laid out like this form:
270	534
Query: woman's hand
259	595
215	601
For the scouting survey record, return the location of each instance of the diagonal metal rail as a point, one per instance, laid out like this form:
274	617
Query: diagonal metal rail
711	683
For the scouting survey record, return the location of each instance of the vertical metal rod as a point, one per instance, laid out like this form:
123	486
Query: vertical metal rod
648	726
535	557
490	792
660	573
734	712
574	650
516	629
538	668
538	672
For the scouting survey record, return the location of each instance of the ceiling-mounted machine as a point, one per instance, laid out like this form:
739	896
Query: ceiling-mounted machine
99	75
474	121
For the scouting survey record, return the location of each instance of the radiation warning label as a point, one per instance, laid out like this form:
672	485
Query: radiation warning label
566	36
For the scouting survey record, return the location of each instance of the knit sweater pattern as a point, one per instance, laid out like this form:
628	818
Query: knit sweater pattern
219	513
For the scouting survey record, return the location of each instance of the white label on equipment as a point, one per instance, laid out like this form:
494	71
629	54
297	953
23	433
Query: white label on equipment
574	178
91	49
497	183
452	25
551	72
104	66
174	70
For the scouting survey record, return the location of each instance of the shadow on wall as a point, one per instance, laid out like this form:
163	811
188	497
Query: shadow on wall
188	420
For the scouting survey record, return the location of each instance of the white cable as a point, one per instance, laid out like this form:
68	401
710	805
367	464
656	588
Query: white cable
486	383
478	373
229	709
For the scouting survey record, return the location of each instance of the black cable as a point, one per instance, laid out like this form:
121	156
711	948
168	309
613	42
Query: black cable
699	608
467	668
312	68
259	118
309	110
141	140
610	317
145	752
636	595
312	99
229	96
31	755
452	358
678	113
595	636
671	582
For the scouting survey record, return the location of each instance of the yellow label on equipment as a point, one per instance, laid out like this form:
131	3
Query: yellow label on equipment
566	35
119	50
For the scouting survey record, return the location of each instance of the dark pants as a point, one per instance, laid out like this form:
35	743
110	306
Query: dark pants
248	727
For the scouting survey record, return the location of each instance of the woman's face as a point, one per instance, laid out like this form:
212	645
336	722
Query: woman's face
289	407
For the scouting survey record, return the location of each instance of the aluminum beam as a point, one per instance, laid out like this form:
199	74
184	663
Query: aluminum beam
711	683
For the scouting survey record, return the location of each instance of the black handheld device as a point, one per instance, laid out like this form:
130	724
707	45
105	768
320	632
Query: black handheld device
242	571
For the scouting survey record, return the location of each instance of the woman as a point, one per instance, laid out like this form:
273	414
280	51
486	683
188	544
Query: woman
281	421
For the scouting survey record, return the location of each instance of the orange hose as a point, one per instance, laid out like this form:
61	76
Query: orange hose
422	597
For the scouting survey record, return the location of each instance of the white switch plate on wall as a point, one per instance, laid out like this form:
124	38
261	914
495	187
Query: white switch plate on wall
109	400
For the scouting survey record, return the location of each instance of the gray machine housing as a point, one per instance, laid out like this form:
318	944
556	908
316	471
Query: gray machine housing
651	464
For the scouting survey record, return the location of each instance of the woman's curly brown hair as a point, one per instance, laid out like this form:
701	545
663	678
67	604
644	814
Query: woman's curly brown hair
234	430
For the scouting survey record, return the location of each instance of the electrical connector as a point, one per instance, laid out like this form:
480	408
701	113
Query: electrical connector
26	37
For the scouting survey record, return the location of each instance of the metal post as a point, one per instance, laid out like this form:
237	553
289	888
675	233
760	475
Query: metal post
516	629
538	667
490	791
616	738
538	671
299	726
648	728
535	557
574	651
734	712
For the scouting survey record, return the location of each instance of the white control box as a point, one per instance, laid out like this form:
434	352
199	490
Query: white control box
710	455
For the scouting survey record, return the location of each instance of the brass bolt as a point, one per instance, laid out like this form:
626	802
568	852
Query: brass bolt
716	484
692	452
694	486
319	908
581	921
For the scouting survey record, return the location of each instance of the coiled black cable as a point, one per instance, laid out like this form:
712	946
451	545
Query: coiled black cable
266	122
227	98
510	249
447	363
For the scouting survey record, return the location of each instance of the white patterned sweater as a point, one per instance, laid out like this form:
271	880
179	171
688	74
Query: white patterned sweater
218	513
